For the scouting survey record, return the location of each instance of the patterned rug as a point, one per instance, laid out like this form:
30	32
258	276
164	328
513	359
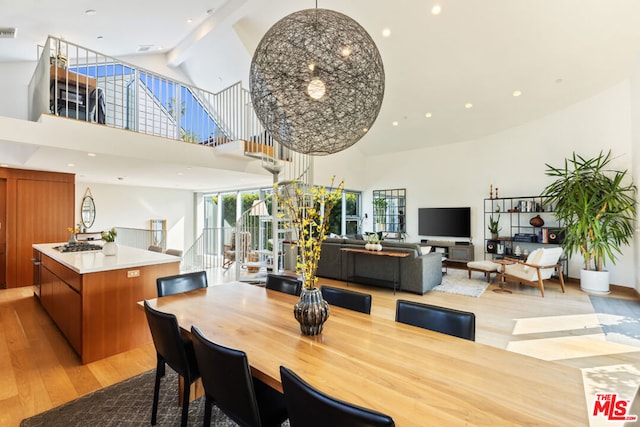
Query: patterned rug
458	282
128	403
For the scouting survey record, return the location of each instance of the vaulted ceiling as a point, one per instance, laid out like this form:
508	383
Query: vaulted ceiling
474	69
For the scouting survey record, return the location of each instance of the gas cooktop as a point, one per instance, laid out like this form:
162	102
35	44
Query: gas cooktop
78	247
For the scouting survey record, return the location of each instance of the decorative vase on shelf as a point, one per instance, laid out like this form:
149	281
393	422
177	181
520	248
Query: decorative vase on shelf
536	221
311	311
110	248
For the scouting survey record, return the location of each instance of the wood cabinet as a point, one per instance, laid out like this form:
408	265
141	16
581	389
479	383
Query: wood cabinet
98	311
39	208
60	295
454	255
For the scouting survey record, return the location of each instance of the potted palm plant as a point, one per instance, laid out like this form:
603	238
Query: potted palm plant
596	207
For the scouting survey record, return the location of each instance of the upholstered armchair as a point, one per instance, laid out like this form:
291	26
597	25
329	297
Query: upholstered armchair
537	269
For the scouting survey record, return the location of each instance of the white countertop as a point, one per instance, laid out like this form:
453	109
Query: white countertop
95	261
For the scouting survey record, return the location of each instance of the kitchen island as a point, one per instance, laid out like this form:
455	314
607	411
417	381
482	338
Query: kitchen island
92	297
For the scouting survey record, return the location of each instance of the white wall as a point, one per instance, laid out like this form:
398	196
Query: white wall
133	207
635	136
513	160
14	87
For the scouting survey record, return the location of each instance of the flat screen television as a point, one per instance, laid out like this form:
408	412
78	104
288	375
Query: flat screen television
444	222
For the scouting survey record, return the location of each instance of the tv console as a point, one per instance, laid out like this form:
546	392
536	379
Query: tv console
454	254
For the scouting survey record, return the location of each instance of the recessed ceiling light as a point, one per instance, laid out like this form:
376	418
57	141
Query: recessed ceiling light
386	32
427	115
395	123
517	93
189	20
468	105
436	9
91	154
180	174
90	12
71	165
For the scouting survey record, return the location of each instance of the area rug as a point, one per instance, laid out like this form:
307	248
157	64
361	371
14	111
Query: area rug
458	282
127	403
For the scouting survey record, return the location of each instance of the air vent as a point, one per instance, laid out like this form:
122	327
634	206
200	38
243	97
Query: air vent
144	47
8	33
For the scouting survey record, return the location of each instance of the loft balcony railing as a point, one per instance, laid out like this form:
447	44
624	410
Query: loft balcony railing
75	82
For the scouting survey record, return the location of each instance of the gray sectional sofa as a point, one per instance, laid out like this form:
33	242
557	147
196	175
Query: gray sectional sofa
417	273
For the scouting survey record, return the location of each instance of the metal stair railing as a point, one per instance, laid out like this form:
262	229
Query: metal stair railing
208	249
133	98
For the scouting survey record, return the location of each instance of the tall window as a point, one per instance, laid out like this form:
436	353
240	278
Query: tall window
352	214
228	201
344	218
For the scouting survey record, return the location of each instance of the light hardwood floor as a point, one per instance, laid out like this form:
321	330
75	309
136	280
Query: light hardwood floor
40	371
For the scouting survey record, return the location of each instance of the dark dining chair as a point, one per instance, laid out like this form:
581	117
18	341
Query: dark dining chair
181	283
227	382
309	407
346	298
288	285
154	248
448	321
174	350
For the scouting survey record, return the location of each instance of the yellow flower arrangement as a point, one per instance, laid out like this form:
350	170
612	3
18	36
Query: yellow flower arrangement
73	230
307	210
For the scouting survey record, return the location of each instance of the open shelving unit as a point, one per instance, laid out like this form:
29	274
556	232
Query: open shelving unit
518	236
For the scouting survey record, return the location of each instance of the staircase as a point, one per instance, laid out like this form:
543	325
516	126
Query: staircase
93	87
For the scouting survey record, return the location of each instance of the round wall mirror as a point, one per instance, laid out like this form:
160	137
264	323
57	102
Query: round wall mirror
88	211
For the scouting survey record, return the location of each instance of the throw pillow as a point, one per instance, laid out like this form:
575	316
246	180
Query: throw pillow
425	250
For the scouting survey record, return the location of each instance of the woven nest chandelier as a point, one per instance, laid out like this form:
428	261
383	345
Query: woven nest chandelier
317	81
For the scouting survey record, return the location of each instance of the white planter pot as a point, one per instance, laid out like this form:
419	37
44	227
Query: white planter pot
378	247
110	248
367	246
594	282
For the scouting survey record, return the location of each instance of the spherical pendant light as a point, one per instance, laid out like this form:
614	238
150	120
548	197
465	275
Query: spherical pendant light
317	81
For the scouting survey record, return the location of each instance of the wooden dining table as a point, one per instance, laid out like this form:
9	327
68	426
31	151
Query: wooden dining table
418	377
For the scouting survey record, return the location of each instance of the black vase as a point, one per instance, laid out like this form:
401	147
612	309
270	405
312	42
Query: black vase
311	311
